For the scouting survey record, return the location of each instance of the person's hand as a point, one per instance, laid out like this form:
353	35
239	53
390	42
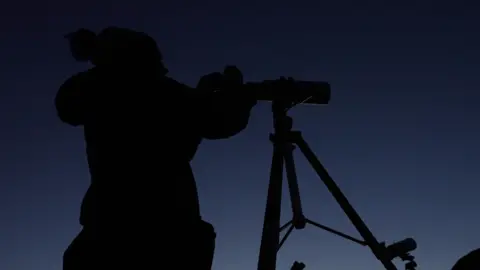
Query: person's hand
211	82
234	81
230	79
233	77
229	85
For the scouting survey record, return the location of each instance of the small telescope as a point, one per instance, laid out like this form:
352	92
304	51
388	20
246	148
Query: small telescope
287	92
290	90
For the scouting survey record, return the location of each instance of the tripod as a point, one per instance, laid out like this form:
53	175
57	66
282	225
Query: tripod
284	141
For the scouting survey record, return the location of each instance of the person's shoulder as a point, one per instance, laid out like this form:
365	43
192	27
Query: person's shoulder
174	84
81	76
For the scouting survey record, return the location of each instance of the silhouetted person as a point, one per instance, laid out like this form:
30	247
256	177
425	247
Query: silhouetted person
142	129
470	261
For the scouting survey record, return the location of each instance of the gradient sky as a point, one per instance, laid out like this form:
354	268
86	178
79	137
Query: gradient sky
400	135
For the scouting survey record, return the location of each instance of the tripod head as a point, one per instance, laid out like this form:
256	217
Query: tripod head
402	249
411	264
297	266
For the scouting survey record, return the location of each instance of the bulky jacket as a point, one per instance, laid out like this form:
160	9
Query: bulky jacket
141	133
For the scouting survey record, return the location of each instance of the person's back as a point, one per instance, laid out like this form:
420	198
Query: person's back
139	145
139	140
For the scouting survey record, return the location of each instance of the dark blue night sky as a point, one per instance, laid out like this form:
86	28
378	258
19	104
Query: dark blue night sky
400	136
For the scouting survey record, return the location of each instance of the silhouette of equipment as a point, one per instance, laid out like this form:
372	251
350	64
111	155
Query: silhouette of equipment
297	266
284	141
297	91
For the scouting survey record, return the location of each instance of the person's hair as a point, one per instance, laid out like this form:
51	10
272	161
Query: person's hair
121	47
118	48
82	44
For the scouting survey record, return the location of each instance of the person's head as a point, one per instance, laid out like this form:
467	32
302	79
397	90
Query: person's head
147	54
82	44
125	48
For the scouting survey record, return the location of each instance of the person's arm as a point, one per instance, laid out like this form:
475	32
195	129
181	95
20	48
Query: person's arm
224	113
71	99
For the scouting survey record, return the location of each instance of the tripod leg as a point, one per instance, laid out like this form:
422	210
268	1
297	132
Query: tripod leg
298	218
271	225
361	227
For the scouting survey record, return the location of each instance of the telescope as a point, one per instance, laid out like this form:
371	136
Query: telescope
286	91
290	90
